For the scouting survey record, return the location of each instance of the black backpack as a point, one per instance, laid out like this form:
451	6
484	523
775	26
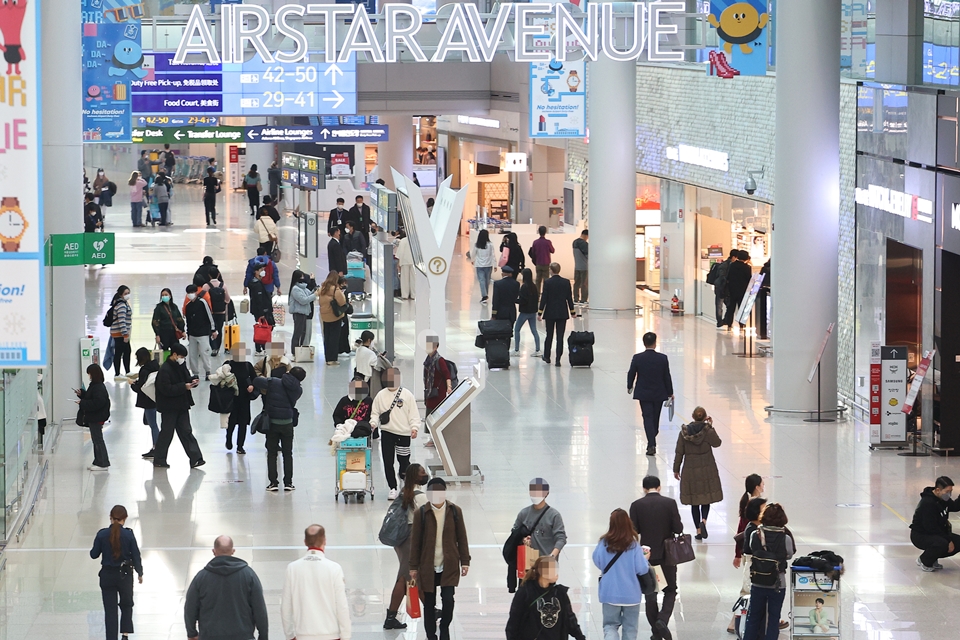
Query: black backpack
714	273
108	318
764	566
454	374
218	300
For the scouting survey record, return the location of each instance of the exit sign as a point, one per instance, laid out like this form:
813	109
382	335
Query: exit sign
72	249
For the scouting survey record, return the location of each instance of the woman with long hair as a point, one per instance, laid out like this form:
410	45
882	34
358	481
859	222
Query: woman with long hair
620	559
411	498
541	608
95	404
299	300
137	185
330	293
515	258
121	329
753	489
254	185
116	546
527	302
147	366
482	257
167	321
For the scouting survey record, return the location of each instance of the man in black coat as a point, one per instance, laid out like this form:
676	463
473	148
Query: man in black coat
656	518
336	258
280	397
650	382
556	305
738	279
360	213
338	218
505	294
930	530
174	399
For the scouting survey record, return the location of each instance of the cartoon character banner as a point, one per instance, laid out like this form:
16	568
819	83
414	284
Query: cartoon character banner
741	28
112	58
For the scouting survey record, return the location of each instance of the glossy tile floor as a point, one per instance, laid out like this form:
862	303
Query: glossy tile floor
577	428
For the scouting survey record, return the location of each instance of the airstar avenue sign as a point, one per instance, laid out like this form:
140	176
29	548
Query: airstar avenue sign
619	31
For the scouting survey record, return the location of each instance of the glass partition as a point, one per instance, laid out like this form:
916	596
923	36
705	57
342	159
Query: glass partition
18	404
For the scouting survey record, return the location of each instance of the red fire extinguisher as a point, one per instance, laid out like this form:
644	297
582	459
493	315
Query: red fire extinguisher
675	303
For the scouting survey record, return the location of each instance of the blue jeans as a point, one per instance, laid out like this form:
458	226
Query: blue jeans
618	617
521	319
136	213
483	275
151	416
764	603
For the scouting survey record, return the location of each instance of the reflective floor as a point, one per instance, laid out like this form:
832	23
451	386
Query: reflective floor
579	429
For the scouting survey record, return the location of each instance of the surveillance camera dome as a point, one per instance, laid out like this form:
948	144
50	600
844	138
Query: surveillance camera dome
750	186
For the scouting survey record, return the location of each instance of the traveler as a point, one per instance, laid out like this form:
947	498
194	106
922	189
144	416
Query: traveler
506	290
766	596
721	292
367	362
239	418
482	258
621	560
411	499
225	598
439	551
261	301
753	489
313	604
169	160
221	401
148	365
515	258
699	478
650	382
547	533
332	305
95	404
360	214
274	364
337	218
336	256
738	279
527	300
116	546
99	185
200	331
211	187
404	257
219	299
274	179
266	231
263	262
656	518
581	248
299	300
145	165
137	184
742	557
353	239
92	215
762	302
121	328
356	405
253	184
556	305
205	271
542	609
395	413
280	397
269	209
930	530
174	399
167	322
541	252
430	203
161	190
437	379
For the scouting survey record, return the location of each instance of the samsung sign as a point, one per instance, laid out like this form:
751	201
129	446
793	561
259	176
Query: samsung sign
619	31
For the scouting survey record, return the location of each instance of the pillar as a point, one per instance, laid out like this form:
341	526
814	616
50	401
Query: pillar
261	154
899	27
62	189
397	152
612	125
806	215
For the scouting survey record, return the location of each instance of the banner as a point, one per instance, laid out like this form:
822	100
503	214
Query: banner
558	99
741	28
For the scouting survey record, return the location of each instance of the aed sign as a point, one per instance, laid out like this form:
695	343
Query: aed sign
619	31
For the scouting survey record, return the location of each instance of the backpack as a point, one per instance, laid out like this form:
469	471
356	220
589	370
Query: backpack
764	567
169	159
533	255
714	273
112	188
218	300
395	530
825	562
108	318
454	379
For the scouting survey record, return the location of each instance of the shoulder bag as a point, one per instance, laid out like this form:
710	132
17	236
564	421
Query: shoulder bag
515	539
385	416
648	580
678	550
180	334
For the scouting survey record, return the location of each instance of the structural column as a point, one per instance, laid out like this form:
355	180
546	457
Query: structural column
806	216
62	196
396	153
612	120
899	41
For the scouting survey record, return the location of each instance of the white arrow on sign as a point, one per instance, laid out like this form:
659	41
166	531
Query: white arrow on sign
178	135
893	352
332	71
252	134
336	101
325	133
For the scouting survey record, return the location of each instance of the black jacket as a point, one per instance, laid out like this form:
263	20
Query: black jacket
202	275
932	514
556	302
542	614
337	220
172	392
226	598
355	242
280	396
347	409
649	376
516	260
95	402
198	316
738	278
528	298
261	302
656	518
143	400
167	319
361	215
336	258
505	293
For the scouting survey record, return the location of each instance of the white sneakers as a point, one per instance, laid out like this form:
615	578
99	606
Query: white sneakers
392	495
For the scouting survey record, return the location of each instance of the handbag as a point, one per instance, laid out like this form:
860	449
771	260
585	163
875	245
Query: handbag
504	257
260	424
81	418
678	550
648	580
221	399
108	354
413	600
275	255
180	334
385	416
262	331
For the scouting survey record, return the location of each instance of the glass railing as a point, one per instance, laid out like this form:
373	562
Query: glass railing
18	405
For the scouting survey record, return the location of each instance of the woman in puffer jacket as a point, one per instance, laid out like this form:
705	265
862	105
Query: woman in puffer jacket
696	469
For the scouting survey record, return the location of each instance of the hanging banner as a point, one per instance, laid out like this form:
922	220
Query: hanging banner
558	99
917	381
893	392
112	59
741	28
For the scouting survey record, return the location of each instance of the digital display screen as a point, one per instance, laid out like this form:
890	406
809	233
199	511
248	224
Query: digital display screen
406	211
353	120
450	401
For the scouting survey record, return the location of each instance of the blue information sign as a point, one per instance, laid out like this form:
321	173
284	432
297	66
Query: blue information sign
303	133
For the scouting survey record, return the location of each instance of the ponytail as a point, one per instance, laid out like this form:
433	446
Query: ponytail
752	482
117	514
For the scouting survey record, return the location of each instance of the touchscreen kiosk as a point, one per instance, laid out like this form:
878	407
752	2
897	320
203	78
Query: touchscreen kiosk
449	424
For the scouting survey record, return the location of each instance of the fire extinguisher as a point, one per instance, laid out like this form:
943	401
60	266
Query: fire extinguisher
675	303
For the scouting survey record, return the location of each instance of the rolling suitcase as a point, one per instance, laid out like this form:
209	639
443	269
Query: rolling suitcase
580	348
497	352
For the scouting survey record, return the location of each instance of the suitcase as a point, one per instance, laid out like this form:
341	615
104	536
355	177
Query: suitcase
497	352
354	285
580	348
231	336
740	610
495	328
356	271
353	481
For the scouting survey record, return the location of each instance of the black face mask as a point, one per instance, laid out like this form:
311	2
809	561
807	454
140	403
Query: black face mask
423	480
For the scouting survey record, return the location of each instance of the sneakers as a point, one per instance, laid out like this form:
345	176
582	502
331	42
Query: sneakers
148	455
94	467
937	566
651	451
289	487
537	354
273	486
516	353
924	567
392	494
483	300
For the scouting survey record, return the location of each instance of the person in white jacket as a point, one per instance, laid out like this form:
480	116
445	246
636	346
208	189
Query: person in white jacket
405	259
397	428
314	601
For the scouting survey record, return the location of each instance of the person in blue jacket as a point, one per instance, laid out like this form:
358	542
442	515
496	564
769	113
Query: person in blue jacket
620	559
116	546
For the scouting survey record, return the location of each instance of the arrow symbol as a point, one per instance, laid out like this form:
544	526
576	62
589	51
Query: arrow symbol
893	352
336	101
252	134
332	71
325	132
178	135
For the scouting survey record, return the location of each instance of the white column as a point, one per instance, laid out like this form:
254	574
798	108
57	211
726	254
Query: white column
806	218
899	35
260	153
396	153
62	195
612	120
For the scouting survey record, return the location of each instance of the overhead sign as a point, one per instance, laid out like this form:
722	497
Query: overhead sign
707	158
335	134
558	99
71	249
177	121
112	59
893	392
23	329
303	172
185	135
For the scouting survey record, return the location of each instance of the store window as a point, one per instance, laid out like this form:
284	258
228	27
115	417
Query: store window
648	219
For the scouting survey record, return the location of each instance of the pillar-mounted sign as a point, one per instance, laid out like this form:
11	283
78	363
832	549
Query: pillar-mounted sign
893	393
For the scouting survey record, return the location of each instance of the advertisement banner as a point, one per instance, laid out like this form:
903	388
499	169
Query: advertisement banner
112	58
558	99
893	392
741	28
875	392
917	381
22	300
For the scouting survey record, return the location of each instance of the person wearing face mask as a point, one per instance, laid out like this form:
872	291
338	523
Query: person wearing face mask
174	399
338	218
367	362
411	499
121	329
356	405
201	329
542	609
261	302
99	184
298	303
930	530
395	413
95	404
239	418
167	322
271	277
538	526
440	553
147	366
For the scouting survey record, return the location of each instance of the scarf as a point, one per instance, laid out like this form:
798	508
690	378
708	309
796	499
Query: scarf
430	371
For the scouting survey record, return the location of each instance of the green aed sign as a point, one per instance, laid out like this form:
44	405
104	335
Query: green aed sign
71	249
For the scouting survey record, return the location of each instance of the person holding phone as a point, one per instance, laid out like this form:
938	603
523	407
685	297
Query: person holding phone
95	404
174	399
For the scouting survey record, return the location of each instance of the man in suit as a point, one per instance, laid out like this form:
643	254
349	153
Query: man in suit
656	518
649	380
556	305
505	294
338	217
738	279
336	258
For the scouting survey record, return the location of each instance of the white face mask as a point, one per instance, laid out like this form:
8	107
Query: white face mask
99	173
263	274
437	498
191	296
126	296
181	361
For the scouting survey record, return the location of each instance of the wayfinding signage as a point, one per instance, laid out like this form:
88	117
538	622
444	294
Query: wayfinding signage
893	393
184	135
337	134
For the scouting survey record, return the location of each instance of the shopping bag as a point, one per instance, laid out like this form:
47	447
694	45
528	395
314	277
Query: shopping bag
526	556
678	550
160	356
231	335
661	579
279	314
303	354
413	599
262	332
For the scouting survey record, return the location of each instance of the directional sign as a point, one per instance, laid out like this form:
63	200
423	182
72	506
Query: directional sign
177	121
305	133
893	392
184	135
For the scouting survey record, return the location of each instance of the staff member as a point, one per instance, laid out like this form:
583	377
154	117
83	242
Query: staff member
116	546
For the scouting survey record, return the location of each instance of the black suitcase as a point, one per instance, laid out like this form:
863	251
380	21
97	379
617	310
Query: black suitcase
498	353
495	328
580	348
354	285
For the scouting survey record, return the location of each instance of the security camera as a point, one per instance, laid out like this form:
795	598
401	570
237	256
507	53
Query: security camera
750	186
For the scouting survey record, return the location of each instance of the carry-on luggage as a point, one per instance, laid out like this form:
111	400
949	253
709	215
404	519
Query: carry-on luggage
497	352
580	348
492	330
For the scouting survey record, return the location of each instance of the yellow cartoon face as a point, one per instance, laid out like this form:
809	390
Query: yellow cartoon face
739	20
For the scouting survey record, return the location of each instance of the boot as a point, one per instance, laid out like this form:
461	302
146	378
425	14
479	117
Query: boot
391	622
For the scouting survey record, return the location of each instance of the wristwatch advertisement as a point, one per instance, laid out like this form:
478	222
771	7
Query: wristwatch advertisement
13	224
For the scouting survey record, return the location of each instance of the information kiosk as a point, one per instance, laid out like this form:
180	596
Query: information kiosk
450	426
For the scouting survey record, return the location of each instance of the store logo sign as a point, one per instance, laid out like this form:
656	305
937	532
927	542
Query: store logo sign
700	157
896	202
479	122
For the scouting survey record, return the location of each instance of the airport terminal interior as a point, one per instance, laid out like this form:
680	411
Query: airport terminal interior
816	143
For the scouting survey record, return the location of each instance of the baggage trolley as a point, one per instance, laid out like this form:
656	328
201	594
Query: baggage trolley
351	453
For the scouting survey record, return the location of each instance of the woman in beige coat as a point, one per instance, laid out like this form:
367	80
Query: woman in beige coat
696	469
331	295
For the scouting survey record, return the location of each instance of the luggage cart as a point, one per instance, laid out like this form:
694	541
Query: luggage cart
806	587
347	483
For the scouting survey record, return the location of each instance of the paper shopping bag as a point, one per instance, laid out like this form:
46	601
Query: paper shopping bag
661	579
526	556
413	600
